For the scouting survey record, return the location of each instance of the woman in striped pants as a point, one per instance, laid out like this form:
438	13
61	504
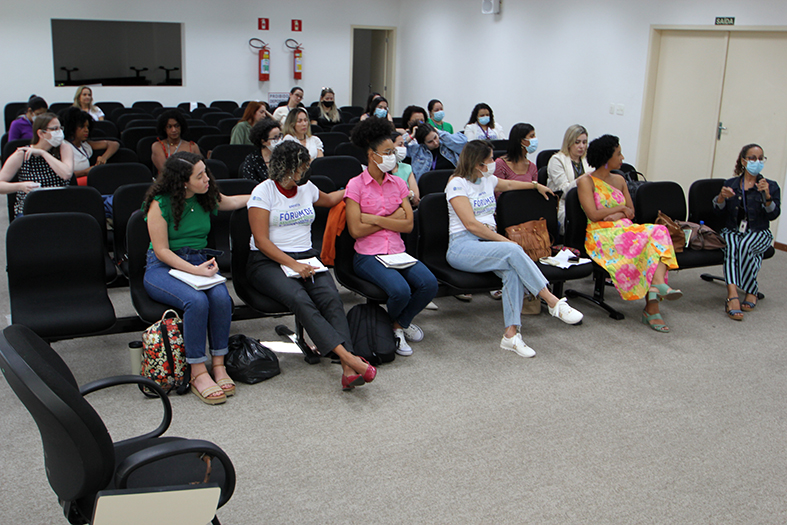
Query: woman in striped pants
748	202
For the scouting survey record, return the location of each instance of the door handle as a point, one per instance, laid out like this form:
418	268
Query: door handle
721	128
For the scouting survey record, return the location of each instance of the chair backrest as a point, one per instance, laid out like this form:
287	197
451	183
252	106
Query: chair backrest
496	154
11	146
325	185
201	111
137	122
701	194
107	178
137	243
331	139
108	107
147	105
208	142
158	111
83	199
543	175
11	111
107	127
219	237
225	126
232	155
131	136
576	222
345	274
56	274
543	157
433	228
117	113
356	111
664	196
123	155
518	206
339	168
57	107
197	132
78	450
213	118
123	118
433	181
347	129
224	105
186	106
145	152
218	169
501	144
127	199
349	149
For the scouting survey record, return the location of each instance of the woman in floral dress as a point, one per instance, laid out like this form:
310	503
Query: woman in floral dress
637	256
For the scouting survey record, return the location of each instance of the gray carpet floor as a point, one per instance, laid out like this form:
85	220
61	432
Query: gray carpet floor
610	423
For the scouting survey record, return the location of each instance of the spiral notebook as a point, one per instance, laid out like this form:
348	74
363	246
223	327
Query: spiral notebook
198	282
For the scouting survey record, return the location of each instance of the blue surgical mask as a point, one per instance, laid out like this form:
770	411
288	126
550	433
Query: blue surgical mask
380	112
754	166
533	145
483	120
439	116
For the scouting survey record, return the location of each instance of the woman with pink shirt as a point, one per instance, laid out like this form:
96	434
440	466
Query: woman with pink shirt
514	165
378	211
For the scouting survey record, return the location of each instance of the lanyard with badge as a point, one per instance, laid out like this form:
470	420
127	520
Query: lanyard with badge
745	222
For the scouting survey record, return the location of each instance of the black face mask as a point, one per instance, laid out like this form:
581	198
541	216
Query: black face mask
327	103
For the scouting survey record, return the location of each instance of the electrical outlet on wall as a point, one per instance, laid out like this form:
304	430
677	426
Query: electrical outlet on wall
620	109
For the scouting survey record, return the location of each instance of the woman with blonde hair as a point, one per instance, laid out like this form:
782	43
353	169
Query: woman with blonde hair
83	99
567	165
254	112
326	114
298	128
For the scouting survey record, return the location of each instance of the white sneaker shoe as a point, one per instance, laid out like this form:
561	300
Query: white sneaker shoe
413	333
515	344
402	347
565	313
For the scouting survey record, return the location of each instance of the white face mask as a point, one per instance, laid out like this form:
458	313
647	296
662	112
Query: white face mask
55	138
490	169
273	143
388	163
401	153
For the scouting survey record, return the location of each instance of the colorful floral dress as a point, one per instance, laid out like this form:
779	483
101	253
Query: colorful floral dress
629	252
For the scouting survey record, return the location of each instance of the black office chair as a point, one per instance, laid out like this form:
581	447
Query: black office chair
11	146
516	207
331	139
228	106
144	152
208	143
339	168
107	178
57	107
433	245
137	122
225	126
232	155
543	177
347	129
202	110
80	458
127	199
345	274
56	275
148	106
325	185
213	118
218	169
123	155
108	107
576	227
11	111
123	119
117	113
194	122
185	107
433	182
356	111
197	132
501	144
219	237
543	157
107	128
130	137
348	149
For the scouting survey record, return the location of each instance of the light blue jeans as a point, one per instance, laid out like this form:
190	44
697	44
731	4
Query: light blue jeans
507	260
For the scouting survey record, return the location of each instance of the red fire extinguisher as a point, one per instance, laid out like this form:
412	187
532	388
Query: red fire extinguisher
264	58
297	58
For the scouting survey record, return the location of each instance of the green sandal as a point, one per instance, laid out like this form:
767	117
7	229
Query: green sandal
665	292
734	314
648	319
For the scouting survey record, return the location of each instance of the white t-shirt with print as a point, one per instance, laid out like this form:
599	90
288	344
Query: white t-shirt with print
481	195
290	224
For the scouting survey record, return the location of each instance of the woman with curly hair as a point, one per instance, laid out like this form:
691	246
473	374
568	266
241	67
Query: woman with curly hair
177	209
637	256
378	212
281	213
265	135
170	128
78	124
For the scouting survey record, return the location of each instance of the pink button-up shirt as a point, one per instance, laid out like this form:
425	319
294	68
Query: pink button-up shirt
378	199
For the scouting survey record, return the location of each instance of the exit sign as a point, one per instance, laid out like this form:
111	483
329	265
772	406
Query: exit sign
725	20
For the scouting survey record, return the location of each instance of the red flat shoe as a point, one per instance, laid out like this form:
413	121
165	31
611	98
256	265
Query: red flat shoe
370	373
350	382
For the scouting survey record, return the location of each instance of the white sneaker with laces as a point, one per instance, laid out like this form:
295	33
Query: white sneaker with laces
402	348
413	333
515	344
565	313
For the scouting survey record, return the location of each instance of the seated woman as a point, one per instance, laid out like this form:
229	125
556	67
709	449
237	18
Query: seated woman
403	170
254	112
377	107
22	126
47	163
78	124
482	124
378	211
637	256
326	114
296	95
413	116
514	165
297	128
475	246
281	213
266	135
567	165
436	116
177	209
83	99
171	127
433	149
748	202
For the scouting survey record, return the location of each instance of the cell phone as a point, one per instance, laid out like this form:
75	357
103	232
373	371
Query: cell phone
573	259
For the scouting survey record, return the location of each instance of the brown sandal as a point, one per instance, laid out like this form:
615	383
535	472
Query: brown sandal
230	391
203	396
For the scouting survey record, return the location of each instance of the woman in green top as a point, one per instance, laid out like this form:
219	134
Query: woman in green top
436	116
178	208
241	132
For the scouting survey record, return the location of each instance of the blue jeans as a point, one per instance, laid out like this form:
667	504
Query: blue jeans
204	311
409	290
507	260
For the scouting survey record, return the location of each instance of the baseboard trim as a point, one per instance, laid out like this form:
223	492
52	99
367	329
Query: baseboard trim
780	246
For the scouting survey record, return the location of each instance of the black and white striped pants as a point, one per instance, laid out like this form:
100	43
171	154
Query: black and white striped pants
743	257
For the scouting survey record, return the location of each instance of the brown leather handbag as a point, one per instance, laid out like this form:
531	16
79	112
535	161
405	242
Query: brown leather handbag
533	237
675	231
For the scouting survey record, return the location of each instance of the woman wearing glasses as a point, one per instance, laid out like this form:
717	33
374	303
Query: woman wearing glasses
748	202
47	162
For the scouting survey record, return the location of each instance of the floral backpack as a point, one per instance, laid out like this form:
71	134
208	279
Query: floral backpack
163	355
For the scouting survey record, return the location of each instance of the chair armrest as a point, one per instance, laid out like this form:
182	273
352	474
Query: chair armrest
176	448
106	382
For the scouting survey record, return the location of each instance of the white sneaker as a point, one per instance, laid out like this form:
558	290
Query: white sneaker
515	344
496	294
565	313
413	333
402	348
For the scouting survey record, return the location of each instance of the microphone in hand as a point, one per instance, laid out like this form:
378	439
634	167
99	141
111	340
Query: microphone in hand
762	192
